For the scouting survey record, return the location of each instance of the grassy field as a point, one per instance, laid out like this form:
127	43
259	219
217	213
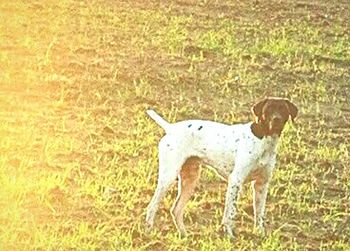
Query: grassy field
78	155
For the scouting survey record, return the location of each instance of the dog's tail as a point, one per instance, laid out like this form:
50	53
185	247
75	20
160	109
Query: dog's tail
159	120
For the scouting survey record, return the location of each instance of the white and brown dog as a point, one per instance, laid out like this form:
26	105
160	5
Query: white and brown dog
239	153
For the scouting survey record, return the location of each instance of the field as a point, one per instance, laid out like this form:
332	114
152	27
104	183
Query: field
78	154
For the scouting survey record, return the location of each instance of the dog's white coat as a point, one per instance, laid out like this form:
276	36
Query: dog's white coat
232	150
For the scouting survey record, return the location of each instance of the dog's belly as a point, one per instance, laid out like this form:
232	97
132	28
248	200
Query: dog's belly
219	159
223	168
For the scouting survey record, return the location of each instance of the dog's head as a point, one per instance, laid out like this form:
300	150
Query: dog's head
273	113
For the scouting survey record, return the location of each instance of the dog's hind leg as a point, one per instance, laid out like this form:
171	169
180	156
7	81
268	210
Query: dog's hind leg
187	183
170	163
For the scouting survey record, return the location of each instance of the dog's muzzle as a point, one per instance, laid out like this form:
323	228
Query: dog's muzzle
276	125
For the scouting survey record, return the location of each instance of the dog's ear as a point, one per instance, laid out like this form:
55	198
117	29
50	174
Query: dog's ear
258	107
293	110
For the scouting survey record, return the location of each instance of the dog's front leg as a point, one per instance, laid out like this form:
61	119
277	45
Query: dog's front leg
260	189
235	182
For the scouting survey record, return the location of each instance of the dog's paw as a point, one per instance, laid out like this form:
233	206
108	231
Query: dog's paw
148	227
226	230
260	231
183	233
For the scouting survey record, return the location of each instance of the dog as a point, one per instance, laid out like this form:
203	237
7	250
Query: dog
239	153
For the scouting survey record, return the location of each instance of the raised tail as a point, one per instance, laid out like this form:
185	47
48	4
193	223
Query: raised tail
159	120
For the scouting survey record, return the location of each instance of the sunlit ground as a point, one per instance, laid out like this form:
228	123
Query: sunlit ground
78	156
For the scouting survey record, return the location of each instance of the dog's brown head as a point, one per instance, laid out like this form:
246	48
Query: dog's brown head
271	116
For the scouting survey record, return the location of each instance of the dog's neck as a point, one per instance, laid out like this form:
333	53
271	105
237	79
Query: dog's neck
260	130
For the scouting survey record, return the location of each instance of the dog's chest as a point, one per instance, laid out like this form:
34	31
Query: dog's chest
263	162
266	154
